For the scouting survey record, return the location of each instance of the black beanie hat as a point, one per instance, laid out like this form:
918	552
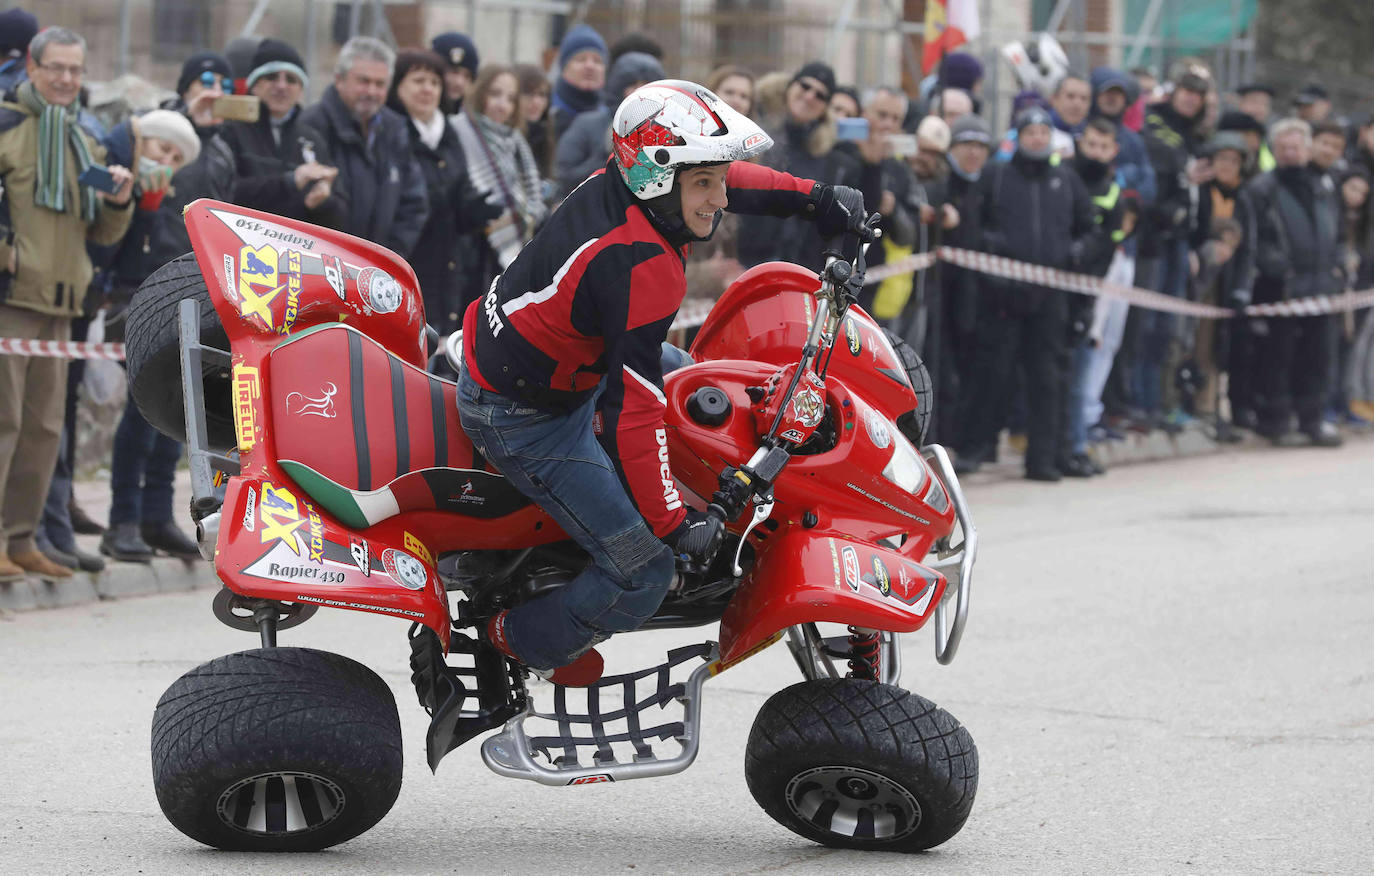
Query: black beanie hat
819	71
457	50
198	64
273	55
17	29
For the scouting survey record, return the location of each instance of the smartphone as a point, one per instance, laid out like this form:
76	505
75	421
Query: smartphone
903	144
852	129
236	107
98	178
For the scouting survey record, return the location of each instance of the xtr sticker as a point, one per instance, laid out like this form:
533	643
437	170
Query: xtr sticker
851	567
247	391
258	283
280	515
417	547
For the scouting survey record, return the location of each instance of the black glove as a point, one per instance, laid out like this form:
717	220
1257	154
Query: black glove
697	538
839	209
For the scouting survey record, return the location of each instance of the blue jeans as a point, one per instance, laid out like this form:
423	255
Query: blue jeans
143	466
1168	273
556	460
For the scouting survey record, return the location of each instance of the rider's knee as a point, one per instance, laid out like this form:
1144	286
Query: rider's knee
640	594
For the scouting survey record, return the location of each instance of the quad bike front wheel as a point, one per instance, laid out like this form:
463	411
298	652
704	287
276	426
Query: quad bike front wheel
861	765
278	749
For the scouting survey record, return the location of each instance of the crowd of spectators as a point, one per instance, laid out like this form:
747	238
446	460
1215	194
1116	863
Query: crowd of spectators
454	163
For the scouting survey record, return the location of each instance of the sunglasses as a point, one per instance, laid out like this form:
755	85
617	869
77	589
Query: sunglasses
208	80
818	90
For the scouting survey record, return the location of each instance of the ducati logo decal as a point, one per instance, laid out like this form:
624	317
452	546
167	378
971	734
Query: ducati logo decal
321	405
851	567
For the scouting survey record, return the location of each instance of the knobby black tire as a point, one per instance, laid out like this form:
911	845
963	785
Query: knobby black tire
277	710
914	423
152	352
878	728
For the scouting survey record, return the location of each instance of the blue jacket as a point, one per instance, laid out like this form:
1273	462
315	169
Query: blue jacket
1134	172
387	196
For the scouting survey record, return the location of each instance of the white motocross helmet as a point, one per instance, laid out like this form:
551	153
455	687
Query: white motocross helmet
670	124
1039	65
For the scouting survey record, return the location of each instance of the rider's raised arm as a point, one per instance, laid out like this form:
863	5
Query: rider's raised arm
761	191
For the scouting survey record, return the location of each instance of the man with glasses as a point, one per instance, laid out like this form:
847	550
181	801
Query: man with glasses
283	163
46	216
388	201
804	138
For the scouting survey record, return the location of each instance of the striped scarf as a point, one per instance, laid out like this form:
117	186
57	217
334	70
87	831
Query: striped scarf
57	128
500	161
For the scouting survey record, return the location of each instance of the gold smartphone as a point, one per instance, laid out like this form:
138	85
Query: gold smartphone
237	107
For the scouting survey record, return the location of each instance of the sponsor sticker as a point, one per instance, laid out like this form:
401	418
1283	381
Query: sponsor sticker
230	287
247	391
852	336
914	588
281	516
417	547
258	282
316	534
321	404
404	569
250	507
362	555
878	432
379	290
335	275
808	407
599	779
835	560
794	435
881	579
293	292
753	140
851	567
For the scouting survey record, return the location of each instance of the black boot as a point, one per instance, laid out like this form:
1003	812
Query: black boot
166	537
123	542
1076	466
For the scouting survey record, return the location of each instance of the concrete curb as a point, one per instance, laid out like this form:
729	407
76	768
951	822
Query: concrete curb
116	581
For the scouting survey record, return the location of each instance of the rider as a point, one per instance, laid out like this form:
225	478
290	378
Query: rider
561	384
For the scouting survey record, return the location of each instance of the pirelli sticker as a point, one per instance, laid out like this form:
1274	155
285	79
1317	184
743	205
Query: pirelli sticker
247	391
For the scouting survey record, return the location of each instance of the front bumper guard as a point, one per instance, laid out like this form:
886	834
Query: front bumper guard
955	562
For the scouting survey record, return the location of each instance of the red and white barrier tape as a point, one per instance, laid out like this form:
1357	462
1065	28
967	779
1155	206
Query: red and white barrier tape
61	349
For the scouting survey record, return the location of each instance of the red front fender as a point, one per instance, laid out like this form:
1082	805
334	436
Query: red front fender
809	576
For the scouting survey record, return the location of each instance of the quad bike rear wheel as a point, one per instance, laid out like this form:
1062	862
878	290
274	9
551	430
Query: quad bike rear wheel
276	750
858	764
152	349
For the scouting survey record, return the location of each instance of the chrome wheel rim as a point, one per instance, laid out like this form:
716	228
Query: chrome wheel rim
280	804
853	802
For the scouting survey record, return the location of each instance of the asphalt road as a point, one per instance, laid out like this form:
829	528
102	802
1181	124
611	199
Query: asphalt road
1167	670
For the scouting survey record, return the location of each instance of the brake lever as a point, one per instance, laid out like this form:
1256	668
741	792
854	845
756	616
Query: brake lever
763	509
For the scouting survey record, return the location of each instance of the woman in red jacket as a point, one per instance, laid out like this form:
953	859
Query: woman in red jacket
561	382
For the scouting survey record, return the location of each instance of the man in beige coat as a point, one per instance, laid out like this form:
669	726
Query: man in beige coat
46	217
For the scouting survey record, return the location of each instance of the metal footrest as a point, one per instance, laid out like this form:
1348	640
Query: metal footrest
610	739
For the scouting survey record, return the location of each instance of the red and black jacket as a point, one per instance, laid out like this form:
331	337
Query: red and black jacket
593	296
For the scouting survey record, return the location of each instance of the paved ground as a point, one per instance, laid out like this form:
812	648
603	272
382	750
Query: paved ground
1168	670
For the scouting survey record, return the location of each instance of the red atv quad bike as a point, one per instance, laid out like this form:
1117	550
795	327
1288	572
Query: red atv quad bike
329	469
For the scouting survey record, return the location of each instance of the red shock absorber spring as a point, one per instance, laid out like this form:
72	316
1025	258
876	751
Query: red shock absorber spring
865	653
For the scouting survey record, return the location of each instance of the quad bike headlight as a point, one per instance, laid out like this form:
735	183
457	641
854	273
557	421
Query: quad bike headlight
905	469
